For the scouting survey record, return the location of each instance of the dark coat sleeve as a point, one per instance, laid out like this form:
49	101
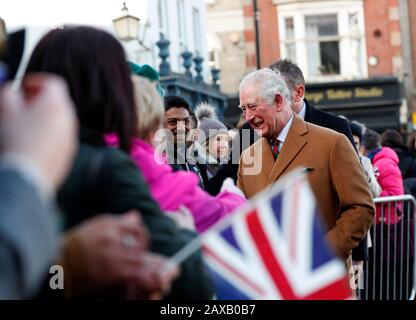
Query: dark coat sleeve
328	120
28	238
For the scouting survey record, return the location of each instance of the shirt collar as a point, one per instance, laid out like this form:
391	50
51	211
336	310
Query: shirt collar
302	112
282	135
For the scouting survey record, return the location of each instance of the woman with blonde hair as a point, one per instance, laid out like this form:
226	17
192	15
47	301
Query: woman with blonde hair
173	190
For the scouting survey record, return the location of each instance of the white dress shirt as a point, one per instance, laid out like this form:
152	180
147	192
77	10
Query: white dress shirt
282	135
302	112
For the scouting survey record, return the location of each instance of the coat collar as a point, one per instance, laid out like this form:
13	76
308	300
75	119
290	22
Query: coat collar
309	111
294	143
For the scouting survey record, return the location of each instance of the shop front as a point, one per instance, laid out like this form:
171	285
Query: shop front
375	102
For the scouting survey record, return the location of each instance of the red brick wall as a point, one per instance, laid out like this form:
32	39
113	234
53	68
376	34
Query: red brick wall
412	17
249	34
269	32
376	16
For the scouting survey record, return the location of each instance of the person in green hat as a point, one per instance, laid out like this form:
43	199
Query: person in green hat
149	73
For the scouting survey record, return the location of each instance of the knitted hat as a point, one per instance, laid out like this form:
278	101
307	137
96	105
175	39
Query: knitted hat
356	129
371	140
147	72
208	122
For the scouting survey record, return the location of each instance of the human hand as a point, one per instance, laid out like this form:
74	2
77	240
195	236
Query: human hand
109	248
229	186
153	278
183	218
113	252
38	124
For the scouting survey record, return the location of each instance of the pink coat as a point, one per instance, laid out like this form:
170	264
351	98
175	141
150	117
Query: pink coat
173	189
390	181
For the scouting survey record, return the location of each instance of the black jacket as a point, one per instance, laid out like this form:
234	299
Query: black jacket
328	120
179	161
105	180
199	169
407	162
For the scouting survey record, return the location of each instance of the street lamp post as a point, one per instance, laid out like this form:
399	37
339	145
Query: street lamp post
127	27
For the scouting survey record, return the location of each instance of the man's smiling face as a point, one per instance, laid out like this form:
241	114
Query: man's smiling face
178	121
263	117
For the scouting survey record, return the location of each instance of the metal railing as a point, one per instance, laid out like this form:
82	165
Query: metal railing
390	271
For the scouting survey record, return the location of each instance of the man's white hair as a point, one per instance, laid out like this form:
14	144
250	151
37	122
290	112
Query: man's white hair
269	83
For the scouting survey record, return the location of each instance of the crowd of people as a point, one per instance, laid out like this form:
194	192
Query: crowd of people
111	176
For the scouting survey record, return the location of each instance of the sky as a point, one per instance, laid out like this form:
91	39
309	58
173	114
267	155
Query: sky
52	13
39	16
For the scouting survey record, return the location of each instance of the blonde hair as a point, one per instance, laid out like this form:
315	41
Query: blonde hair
149	106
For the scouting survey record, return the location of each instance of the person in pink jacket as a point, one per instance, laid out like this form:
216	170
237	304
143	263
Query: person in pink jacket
173	190
390	177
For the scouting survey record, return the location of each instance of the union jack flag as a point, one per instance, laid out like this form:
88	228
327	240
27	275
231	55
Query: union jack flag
275	249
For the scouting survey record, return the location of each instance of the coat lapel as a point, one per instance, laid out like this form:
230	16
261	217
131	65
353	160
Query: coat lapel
266	157
294	143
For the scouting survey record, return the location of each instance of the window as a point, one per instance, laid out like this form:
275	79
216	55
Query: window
290	44
355	43
197	29
322	44
181	25
162	17
326	39
213	58
182	41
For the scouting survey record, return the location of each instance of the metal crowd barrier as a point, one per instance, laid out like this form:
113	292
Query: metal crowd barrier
390	271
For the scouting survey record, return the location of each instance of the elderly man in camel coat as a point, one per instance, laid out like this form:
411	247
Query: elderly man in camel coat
333	168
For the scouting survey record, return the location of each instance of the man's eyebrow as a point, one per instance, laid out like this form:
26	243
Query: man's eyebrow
247	104
179	119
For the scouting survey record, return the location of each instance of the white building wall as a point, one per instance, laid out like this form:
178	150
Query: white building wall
77	12
151	57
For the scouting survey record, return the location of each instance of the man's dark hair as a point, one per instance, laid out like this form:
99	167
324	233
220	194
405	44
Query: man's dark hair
411	143
391	138
94	66
176	102
290	71
357	130
371	140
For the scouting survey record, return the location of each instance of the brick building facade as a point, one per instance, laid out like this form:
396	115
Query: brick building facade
331	40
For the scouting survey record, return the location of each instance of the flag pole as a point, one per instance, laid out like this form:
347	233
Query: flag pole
181	255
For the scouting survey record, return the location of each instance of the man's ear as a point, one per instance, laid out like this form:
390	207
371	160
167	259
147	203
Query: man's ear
299	93
278	99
